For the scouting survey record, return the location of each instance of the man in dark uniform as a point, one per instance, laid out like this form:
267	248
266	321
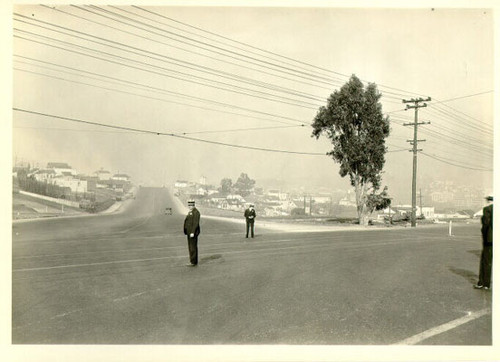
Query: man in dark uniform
192	230
250	219
487	253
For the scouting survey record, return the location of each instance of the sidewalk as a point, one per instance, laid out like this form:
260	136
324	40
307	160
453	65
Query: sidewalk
290	227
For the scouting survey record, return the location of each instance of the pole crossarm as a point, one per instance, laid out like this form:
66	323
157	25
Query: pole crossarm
411	141
412	124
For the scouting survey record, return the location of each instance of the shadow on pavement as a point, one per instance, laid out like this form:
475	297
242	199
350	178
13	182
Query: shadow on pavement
467	274
210	258
475	252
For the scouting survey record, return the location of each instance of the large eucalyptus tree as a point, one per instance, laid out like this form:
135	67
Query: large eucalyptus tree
354	123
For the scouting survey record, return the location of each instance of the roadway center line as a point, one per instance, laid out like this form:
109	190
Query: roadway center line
330	246
443	327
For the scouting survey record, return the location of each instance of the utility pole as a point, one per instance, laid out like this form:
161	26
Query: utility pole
417	103
420	195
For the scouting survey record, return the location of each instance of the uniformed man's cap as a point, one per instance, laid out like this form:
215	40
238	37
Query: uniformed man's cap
191	203
489	198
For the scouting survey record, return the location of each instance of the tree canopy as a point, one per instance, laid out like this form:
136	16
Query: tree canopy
244	185
226	186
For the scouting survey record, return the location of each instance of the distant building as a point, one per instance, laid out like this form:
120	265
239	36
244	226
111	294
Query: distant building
277	194
43	175
349	199
59	168
103	175
427	212
181	184
75	185
120	177
201	191
203	180
322	199
235	197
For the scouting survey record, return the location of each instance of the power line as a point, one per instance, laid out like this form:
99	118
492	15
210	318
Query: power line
174	61
213	46
466	141
181	133
159	90
226	38
214	34
164	69
268	52
454	163
184	49
300	73
156	133
134	94
462	97
201	44
466	124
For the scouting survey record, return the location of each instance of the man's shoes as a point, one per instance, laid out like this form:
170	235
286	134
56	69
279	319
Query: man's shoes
478	286
486	288
191	264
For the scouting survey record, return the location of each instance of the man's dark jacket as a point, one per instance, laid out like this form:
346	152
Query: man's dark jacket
192	223
487	225
250	215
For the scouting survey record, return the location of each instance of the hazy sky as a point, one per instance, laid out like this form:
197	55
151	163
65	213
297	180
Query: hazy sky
145	68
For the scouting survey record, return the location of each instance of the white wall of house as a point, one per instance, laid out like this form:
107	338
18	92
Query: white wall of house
120	178
43	176
428	212
235	197
60	171
75	185
103	175
322	199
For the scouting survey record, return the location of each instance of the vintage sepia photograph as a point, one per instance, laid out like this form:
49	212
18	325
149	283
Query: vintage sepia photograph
264	180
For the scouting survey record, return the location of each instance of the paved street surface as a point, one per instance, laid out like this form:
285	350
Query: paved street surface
122	279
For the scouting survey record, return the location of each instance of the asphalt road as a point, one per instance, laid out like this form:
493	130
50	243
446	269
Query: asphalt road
123	279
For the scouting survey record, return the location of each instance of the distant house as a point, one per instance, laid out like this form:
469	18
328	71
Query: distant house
386	213
201	191
454	215
278	194
181	184
405	210
235	197
43	175
59	168
103	175
427	212
212	191
322	199
120	177
66	175
345	202
75	185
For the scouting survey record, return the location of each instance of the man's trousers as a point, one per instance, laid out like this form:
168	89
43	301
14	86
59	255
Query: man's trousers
485	266
250	226
193	249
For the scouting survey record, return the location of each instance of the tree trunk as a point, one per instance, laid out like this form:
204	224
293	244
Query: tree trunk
360	189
